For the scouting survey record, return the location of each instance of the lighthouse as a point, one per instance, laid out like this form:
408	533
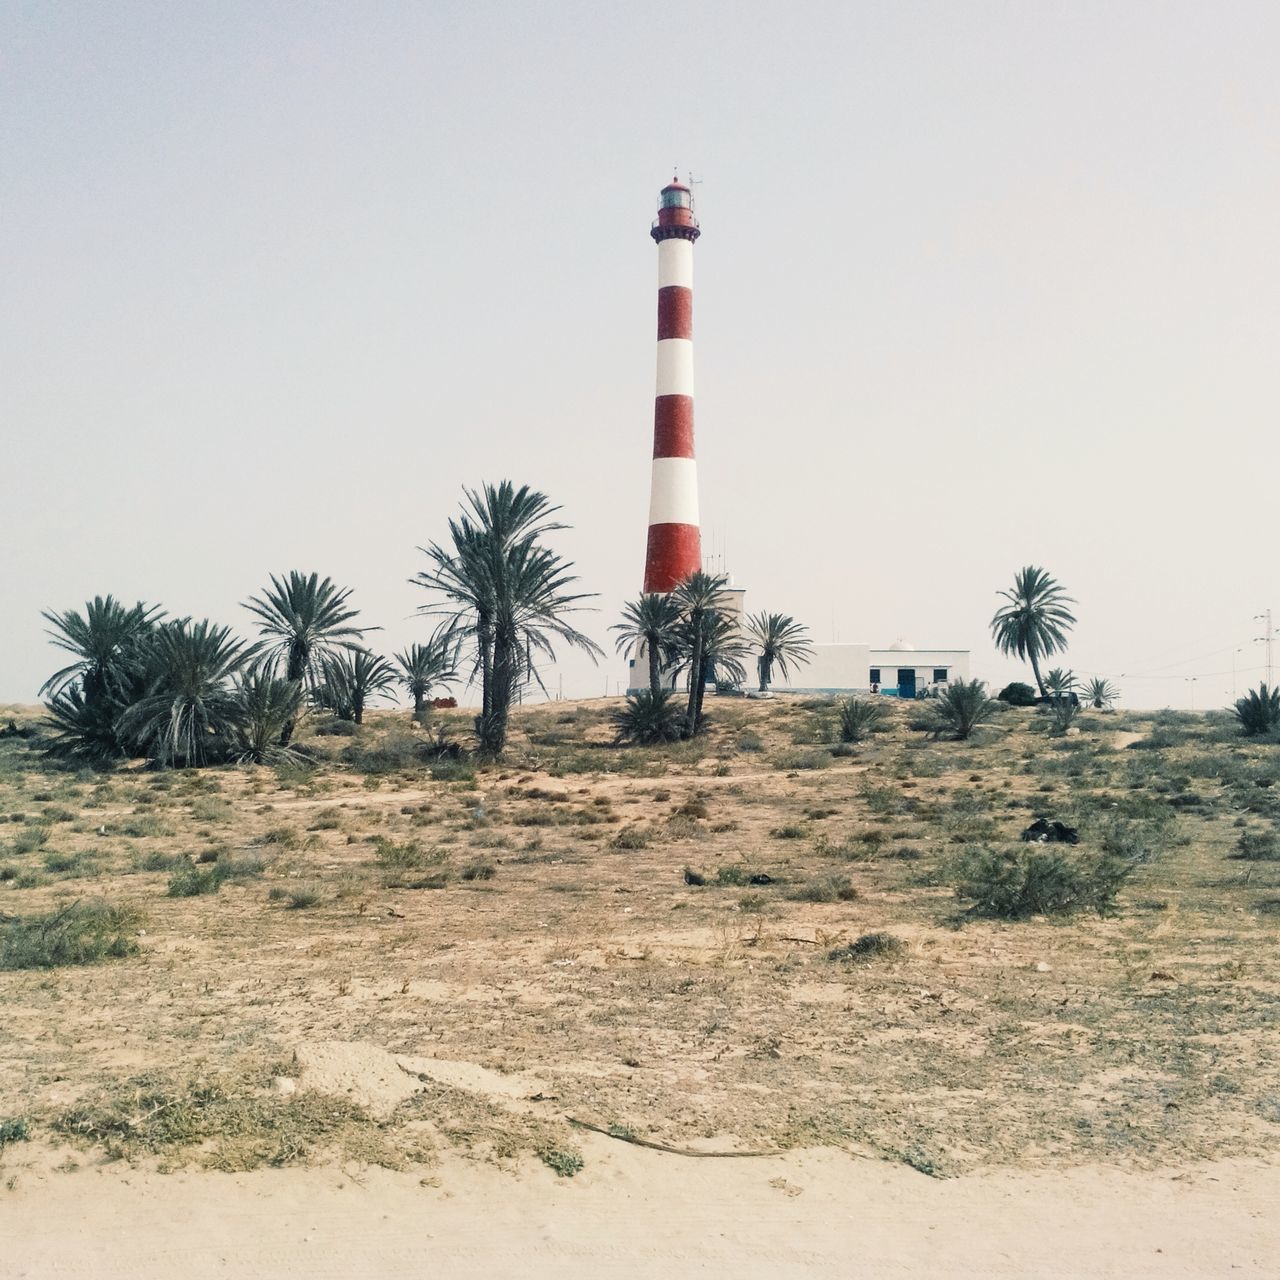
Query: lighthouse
674	550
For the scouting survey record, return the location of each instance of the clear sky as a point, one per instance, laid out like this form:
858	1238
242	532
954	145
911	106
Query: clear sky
980	285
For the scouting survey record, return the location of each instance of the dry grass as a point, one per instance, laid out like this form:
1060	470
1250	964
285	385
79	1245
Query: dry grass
651	932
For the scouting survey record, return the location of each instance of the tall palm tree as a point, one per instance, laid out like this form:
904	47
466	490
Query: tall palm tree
424	666
699	600
352	679
105	640
190	710
1035	622
783	641
303	621
504	595
651	622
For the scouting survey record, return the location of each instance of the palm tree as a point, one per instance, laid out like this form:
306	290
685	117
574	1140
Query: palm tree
503	594
782	641
303	621
1035	622
264	705
105	640
961	708
1060	684
651	623
723	650
352	679
1101	693
190	710
649	717
699	601
424	666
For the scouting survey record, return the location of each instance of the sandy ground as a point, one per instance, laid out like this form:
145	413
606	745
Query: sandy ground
638	1214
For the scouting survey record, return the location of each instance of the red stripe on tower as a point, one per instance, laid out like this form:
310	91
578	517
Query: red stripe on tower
674	550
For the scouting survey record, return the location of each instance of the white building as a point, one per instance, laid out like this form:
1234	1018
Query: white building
901	670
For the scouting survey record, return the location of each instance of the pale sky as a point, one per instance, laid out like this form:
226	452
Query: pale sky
980	285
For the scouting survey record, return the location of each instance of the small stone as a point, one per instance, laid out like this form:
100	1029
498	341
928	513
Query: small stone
1042	967
284	1086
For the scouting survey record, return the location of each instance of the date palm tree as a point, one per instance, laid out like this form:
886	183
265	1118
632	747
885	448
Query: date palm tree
105	640
423	667
504	595
1035	622
264	704
699	600
783	642
1101	693
190	710
352	679
651	622
303	621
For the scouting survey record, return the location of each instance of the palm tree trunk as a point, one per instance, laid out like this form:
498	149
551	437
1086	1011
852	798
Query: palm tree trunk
655	671
1035	667
419	706
765	666
695	687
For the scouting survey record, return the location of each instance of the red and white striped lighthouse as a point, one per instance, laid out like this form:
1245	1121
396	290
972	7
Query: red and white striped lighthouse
675	548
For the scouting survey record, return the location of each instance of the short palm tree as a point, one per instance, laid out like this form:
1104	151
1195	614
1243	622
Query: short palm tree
1101	693
858	717
649	717
650	623
1259	711
304	620
265	703
189	713
352	679
960	709
783	642
1035	622
699	600
423	667
504	595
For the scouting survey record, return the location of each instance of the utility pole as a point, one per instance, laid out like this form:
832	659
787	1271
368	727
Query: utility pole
1268	638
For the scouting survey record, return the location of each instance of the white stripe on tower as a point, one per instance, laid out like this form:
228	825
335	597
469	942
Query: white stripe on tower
674	548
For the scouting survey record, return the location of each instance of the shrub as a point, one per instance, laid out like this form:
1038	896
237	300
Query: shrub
407	855
1063	712
1035	881
479	871
734	874
960	710
82	933
1259	711
1257	846
29	839
630	838
649	718
16	1129
295	899
871	946
190	881
857	717
1017	694
791	831
825	889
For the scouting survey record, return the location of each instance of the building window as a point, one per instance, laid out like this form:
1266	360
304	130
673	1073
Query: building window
875	675
939	675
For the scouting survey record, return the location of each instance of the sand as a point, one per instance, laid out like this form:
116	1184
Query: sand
637	1213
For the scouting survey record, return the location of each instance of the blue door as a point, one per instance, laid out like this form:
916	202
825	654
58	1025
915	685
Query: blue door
906	682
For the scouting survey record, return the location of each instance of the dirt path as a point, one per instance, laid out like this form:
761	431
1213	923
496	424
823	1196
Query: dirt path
638	1214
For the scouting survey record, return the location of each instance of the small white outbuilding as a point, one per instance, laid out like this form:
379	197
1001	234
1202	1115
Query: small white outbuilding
901	670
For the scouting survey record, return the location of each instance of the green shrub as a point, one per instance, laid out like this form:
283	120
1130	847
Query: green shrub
15	1129
1035	881
29	839
790	831
1017	694
733	874
1257	846
479	871
82	933
296	898
190	881
857	717
408	855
